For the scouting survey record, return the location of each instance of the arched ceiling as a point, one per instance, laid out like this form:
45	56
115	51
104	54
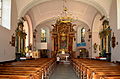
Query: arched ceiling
24	5
51	9
43	10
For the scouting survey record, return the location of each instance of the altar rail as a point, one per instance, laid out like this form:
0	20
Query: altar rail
30	69
95	69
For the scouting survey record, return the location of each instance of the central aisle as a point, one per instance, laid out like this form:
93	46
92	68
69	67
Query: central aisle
64	71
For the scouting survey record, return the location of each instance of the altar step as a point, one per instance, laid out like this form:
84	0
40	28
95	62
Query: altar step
64	62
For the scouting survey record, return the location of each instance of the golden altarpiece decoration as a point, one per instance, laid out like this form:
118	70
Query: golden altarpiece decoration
20	40
63	33
63	36
105	37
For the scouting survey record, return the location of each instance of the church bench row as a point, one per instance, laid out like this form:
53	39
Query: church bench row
35	74
112	77
35	69
15	77
94	69
13	65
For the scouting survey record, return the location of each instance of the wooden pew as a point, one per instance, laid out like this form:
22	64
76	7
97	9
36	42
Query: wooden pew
15	77
111	77
38	69
93	69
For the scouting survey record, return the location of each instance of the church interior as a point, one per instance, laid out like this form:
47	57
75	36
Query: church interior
59	39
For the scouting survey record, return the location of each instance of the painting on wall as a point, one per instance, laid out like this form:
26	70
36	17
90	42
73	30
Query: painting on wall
63	42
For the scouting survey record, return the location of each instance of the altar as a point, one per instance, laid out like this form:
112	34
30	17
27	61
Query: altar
63	36
63	56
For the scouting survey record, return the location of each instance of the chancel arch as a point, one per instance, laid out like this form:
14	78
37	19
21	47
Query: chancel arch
26	28
30	27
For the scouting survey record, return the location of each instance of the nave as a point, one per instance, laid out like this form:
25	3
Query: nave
64	71
46	68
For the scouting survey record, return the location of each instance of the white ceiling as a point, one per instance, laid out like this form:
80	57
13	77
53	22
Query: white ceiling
48	10
41	11
24	5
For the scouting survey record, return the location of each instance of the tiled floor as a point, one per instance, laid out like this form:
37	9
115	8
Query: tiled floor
64	71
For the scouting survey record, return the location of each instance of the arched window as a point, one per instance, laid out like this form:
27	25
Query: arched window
83	35
118	14
5	13
43	35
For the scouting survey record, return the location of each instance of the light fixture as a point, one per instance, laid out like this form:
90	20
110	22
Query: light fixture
65	16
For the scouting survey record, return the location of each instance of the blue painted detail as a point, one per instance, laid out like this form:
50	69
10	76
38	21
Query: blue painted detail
81	44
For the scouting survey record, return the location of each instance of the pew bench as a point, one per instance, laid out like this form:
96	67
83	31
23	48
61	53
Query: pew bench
94	69
15	77
29	69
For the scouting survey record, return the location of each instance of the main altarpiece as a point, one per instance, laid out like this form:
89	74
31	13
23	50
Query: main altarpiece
63	35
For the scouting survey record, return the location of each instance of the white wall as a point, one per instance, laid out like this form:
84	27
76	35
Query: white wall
97	25
7	52
40	45
113	24
48	39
